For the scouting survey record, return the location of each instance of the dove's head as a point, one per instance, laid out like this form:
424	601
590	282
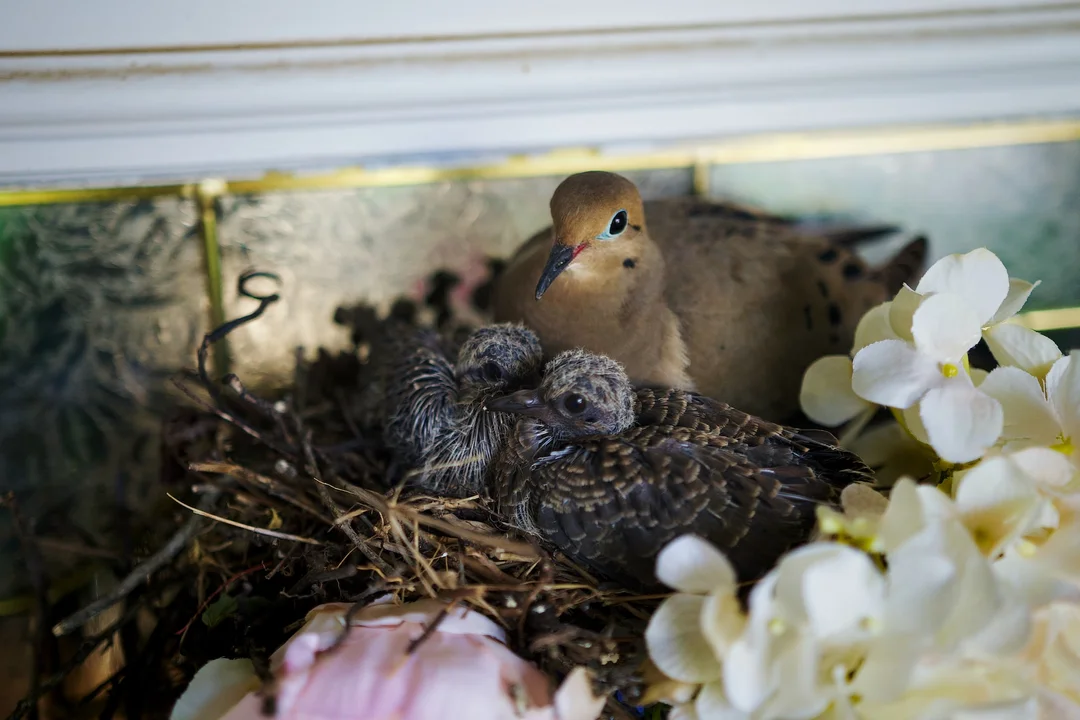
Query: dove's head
500	356
581	394
598	222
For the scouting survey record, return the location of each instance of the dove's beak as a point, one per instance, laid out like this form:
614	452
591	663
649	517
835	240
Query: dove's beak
522	402
560	257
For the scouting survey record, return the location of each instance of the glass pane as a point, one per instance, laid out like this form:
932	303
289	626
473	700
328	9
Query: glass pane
99	304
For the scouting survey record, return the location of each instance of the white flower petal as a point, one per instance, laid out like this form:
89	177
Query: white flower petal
945	327
722	621
1023	709
712	704
1053	377
978	276
1065	396
905	515
861	500
691	564
1027	413
683	712
574	700
826	396
840	587
886	672
902	310
874	326
1019	290
1007	631
921	579
1049	468
913	421
893	373
215	689
997	503
1035	584
961	421
879	444
1022	347
675	642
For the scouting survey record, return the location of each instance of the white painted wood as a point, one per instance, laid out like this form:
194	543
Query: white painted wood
692	71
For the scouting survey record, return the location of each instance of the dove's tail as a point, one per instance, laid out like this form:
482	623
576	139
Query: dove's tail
904	267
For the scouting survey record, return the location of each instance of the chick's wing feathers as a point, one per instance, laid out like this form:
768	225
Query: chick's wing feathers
613	503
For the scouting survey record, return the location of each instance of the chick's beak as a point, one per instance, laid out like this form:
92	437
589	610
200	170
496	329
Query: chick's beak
522	402
560	257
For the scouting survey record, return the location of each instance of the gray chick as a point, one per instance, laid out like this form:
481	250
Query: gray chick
433	418
610	474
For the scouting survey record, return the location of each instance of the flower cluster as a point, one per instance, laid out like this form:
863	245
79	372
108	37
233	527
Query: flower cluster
910	354
957	598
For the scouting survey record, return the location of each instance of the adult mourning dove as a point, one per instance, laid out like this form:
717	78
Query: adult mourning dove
433	418
694	294
610	474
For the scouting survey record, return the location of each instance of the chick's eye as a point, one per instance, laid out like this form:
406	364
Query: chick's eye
618	223
574	404
492	371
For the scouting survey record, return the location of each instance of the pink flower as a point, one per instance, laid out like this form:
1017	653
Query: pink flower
462	669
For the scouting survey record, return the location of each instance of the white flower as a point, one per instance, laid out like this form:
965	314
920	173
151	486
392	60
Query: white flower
961	421
1054	651
982	280
1034	416
1008	496
922	529
692	631
827	628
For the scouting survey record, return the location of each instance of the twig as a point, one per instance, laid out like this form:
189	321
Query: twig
251	528
332	506
139	575
430	629
380	504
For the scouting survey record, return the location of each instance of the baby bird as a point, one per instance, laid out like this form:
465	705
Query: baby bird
610	474
694	294
433	417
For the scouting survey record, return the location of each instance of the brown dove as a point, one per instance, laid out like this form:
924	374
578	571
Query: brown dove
694	294
610	474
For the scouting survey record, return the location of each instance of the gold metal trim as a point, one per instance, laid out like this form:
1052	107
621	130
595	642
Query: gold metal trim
1044	320
748	149
752	149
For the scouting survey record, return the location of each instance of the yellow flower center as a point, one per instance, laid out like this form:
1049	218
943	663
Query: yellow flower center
1026	548
777	626
950	370
1065	447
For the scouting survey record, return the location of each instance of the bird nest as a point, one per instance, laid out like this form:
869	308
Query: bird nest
279	502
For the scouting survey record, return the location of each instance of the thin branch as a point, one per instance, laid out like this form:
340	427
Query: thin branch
261	531
139	575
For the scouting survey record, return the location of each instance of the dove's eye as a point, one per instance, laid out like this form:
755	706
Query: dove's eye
574	404
616	226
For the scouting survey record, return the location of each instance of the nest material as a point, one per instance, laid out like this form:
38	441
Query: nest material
280	503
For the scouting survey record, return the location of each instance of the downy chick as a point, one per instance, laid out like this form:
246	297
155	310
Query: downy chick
434	420
610	474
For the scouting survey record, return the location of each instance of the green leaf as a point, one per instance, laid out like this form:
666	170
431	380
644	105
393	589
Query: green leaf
220	609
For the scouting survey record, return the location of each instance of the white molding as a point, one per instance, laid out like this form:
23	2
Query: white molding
313	103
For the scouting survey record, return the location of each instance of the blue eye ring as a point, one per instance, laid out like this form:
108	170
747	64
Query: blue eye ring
616	226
